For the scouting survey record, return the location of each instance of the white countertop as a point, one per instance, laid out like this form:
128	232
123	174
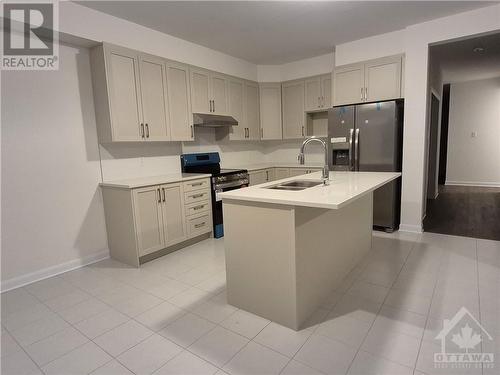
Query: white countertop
344	188
132	183
259	166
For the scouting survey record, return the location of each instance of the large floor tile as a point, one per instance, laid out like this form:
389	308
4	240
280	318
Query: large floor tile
19	363
326	355
282	339
39	330
67	300
245	323
412	302
256	359
112	368
357	308
190	298
345	329
396	320
160	316
100	323
123	337
149	355
394	346
369	364
426	365
83	310
8	345
187	363
80	361
50	288
371	292
297	368
137	304
55	346
25	316
17	299
218	346
214	310
187	329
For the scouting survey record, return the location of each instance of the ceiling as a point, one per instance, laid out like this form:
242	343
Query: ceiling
278	32
459	62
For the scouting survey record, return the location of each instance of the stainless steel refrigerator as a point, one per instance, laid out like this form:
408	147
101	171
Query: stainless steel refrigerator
368	137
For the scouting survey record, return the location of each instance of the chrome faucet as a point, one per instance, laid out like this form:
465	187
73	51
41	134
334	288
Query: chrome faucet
301	157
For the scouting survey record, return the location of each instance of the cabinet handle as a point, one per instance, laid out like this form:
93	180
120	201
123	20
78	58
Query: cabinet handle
200	225
261	133
319	101
163	190
213	105
322	101
197	184
142	130
192	132
361	93
159	196
147	130
197	196
366	93
198	207
267	175
302	131
210	105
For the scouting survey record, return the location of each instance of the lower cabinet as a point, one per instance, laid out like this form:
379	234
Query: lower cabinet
144	220
261	176
281	173
270	174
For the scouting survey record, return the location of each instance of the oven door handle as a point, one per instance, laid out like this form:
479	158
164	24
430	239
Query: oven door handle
231	184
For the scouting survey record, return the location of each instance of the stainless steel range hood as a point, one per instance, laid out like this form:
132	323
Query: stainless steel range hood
213	121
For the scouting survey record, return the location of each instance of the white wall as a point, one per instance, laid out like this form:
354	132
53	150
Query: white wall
414	42
52	211
474	107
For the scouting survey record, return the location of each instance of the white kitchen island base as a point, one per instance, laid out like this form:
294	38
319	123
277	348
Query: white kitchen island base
283	261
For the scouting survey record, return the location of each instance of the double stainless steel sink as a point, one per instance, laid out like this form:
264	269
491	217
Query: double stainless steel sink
295	185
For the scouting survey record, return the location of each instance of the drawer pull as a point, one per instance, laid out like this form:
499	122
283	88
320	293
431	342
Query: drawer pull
197	184
197	196
199	207
200	225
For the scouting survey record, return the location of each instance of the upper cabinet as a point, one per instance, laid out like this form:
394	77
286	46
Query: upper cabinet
270	111
134	98
293	93
237	109
209	92
318	92
369	81
252	111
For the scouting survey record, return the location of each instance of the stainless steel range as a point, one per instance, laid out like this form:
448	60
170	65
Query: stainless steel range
222	180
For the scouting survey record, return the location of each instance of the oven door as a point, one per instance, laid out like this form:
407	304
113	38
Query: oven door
217	203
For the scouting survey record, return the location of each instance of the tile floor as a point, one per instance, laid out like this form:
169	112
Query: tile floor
171	316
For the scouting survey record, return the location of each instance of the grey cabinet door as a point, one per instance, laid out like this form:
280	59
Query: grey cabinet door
148	219
270	111
293	110
124	94
200	91
313	94
349	83
219	88
154	98
181	128
237	110
383	79
174	225
252	111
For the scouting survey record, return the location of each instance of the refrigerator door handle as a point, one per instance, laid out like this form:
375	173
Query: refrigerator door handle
351	150
356	153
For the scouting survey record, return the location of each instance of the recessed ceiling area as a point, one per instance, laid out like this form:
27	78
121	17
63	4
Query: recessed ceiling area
469	59
278	32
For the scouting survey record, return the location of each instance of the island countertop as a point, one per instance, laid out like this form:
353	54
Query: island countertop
344	187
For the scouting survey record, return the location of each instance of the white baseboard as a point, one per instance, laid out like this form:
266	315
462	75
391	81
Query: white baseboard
472	183
45	273
410	228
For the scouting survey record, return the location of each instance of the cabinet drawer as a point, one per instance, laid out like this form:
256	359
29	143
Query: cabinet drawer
196	185
197	208
198	225
196	196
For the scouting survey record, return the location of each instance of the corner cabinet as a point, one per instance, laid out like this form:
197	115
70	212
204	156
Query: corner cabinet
209	92
145	220
270	111
293	109
318	93
132	97
369	81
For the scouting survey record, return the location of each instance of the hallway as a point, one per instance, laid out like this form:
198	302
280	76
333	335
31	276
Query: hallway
468	211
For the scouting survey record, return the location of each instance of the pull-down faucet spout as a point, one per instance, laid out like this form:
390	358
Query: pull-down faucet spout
301	157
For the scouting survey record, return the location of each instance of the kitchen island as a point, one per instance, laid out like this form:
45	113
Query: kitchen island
287	250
